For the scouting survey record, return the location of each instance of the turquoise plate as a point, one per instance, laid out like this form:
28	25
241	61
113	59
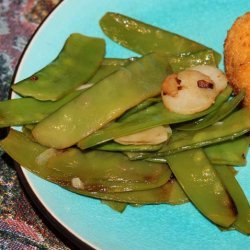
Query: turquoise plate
153	226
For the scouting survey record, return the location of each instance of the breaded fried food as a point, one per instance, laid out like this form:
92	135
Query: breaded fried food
237	56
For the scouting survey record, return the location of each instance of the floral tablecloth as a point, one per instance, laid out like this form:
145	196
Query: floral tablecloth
21	227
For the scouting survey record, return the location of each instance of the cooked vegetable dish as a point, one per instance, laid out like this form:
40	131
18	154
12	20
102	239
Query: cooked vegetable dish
163	127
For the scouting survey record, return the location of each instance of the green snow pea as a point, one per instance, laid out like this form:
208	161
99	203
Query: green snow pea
139	107
150	117
144	38
169	193
134	156
24	151
118	61
233	126
115	205
242	222
101	171
232	152
203	187
113	146
108	66
93	171
225	109
27	132
183	61
29	110
93	109
76	63
233	171
177	195
229	152
29	126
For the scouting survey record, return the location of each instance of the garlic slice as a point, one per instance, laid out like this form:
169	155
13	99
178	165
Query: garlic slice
46	155
193	90
77	183
152	136
217	76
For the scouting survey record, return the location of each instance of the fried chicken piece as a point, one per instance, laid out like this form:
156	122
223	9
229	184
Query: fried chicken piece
237	56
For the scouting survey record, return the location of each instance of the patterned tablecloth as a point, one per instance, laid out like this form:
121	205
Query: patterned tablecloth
20	225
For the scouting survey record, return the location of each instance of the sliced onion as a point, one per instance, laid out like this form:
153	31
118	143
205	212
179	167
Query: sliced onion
46	155
85	86
152	136
77	183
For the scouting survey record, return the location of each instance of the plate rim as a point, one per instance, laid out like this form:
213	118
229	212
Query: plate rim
55	225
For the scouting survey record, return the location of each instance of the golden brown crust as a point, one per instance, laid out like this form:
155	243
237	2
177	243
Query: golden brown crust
242	78
237	55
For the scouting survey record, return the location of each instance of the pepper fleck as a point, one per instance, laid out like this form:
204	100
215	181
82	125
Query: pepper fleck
33	78
177	80
171	178
204	84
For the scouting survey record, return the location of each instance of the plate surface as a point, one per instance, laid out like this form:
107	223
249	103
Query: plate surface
148	227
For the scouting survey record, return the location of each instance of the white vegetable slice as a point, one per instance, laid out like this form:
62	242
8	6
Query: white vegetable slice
217	76
46	155
77	183
152	136
85	86
193	90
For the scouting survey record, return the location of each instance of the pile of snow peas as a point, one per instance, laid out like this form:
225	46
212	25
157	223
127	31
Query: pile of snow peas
72	110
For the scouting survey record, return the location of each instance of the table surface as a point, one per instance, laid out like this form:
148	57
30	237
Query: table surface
21	225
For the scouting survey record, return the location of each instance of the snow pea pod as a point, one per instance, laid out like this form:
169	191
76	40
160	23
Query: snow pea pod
25	152
100	171
93	171
143	155
233	126
232	152
108	66
229	152
225	109
169	193
139	107
76	63
150	117
27	132
134	156
29	110
203	187
144	38
177	195
115	205
29	126
184	61
113	146
242	222
93	109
